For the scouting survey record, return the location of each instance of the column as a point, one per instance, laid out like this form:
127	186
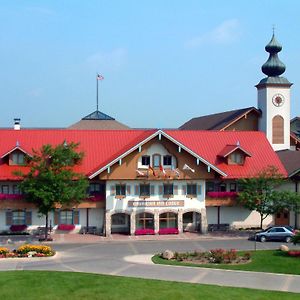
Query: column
203	221
180	220
132	222
107	223
156	221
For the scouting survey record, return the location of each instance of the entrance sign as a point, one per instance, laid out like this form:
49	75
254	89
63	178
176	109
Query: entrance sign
161	203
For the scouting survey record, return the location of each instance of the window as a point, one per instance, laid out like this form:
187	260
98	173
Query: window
167	160
146	160
278	130
222	187
96	188
232	187
191	189
16	190
168	189
118	219
121	190
18	217
145	221
210	186
18	158
168	220
5	189
236	158
145	190
156	161
66	217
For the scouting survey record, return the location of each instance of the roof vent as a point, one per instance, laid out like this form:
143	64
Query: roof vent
17	125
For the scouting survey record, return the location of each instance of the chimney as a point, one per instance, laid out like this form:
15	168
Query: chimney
17	125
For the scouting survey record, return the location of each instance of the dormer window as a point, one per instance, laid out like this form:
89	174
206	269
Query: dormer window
17	158
236	158
145	160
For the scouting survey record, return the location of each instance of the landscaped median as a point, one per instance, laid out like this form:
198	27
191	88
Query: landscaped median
271	261
27	250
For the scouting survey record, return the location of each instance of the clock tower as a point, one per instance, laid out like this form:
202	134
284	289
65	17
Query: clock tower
273	99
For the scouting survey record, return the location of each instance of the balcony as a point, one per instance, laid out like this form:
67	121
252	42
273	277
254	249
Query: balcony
221	199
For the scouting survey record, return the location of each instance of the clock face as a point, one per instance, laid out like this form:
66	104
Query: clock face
278	100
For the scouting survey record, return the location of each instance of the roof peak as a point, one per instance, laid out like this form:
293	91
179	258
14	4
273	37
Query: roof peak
98	115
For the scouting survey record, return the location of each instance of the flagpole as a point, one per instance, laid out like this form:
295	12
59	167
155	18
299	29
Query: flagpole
97	82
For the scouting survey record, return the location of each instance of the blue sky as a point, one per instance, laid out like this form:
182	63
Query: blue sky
164	62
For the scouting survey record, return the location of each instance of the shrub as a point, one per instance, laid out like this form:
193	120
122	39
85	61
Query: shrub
247	255
294	253
296	238
217	255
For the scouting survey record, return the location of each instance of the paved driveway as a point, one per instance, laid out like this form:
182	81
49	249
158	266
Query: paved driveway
132	258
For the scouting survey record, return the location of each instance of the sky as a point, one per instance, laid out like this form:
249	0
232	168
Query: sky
163	62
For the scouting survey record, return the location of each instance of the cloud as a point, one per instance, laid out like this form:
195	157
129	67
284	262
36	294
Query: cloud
226	33
114	59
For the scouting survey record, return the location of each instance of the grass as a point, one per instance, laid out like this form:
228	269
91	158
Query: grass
272	261
65	285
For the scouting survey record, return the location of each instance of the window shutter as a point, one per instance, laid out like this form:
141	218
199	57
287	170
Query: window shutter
152	190
113	190
175	190
184	189
9	217
199	189
160	190
128	189
76	217
28	218
136	189
56	217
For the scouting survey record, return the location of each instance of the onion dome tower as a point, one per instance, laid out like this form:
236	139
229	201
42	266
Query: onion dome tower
273	99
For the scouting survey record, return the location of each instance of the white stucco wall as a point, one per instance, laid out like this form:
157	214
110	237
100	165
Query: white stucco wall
269	110
236	217
122	204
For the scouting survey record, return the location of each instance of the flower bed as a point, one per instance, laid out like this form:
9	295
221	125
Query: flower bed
214	256
17	228
222	194
168	231
27	250
145	231
66	227
294	253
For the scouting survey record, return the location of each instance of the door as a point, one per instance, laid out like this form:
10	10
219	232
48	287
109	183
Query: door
282	218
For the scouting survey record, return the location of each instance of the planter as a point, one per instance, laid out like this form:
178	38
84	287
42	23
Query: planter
168	231
66	227
145	231
17	228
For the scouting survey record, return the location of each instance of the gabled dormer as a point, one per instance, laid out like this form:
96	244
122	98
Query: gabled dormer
16	156
234	154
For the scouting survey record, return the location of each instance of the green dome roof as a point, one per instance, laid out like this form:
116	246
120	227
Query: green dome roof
273	66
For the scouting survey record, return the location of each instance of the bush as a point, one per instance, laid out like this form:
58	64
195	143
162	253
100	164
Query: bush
296	238
17	228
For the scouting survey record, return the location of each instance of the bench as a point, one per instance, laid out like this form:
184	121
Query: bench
218	227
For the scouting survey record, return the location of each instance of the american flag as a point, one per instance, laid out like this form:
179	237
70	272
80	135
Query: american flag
99	77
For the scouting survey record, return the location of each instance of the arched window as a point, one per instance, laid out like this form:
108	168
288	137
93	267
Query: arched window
278	130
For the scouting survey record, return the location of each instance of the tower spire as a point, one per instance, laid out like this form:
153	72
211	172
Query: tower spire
273	67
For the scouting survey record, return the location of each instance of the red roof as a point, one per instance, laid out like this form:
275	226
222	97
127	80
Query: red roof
102	147
208	144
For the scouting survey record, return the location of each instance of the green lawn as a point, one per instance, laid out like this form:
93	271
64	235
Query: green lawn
65	285
273	261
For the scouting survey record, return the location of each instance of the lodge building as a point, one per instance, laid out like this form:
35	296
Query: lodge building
163	181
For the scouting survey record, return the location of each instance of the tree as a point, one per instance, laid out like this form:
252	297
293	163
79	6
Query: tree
261	194
51	179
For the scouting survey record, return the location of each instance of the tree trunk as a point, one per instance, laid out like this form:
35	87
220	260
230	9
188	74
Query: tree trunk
261	220
46	228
